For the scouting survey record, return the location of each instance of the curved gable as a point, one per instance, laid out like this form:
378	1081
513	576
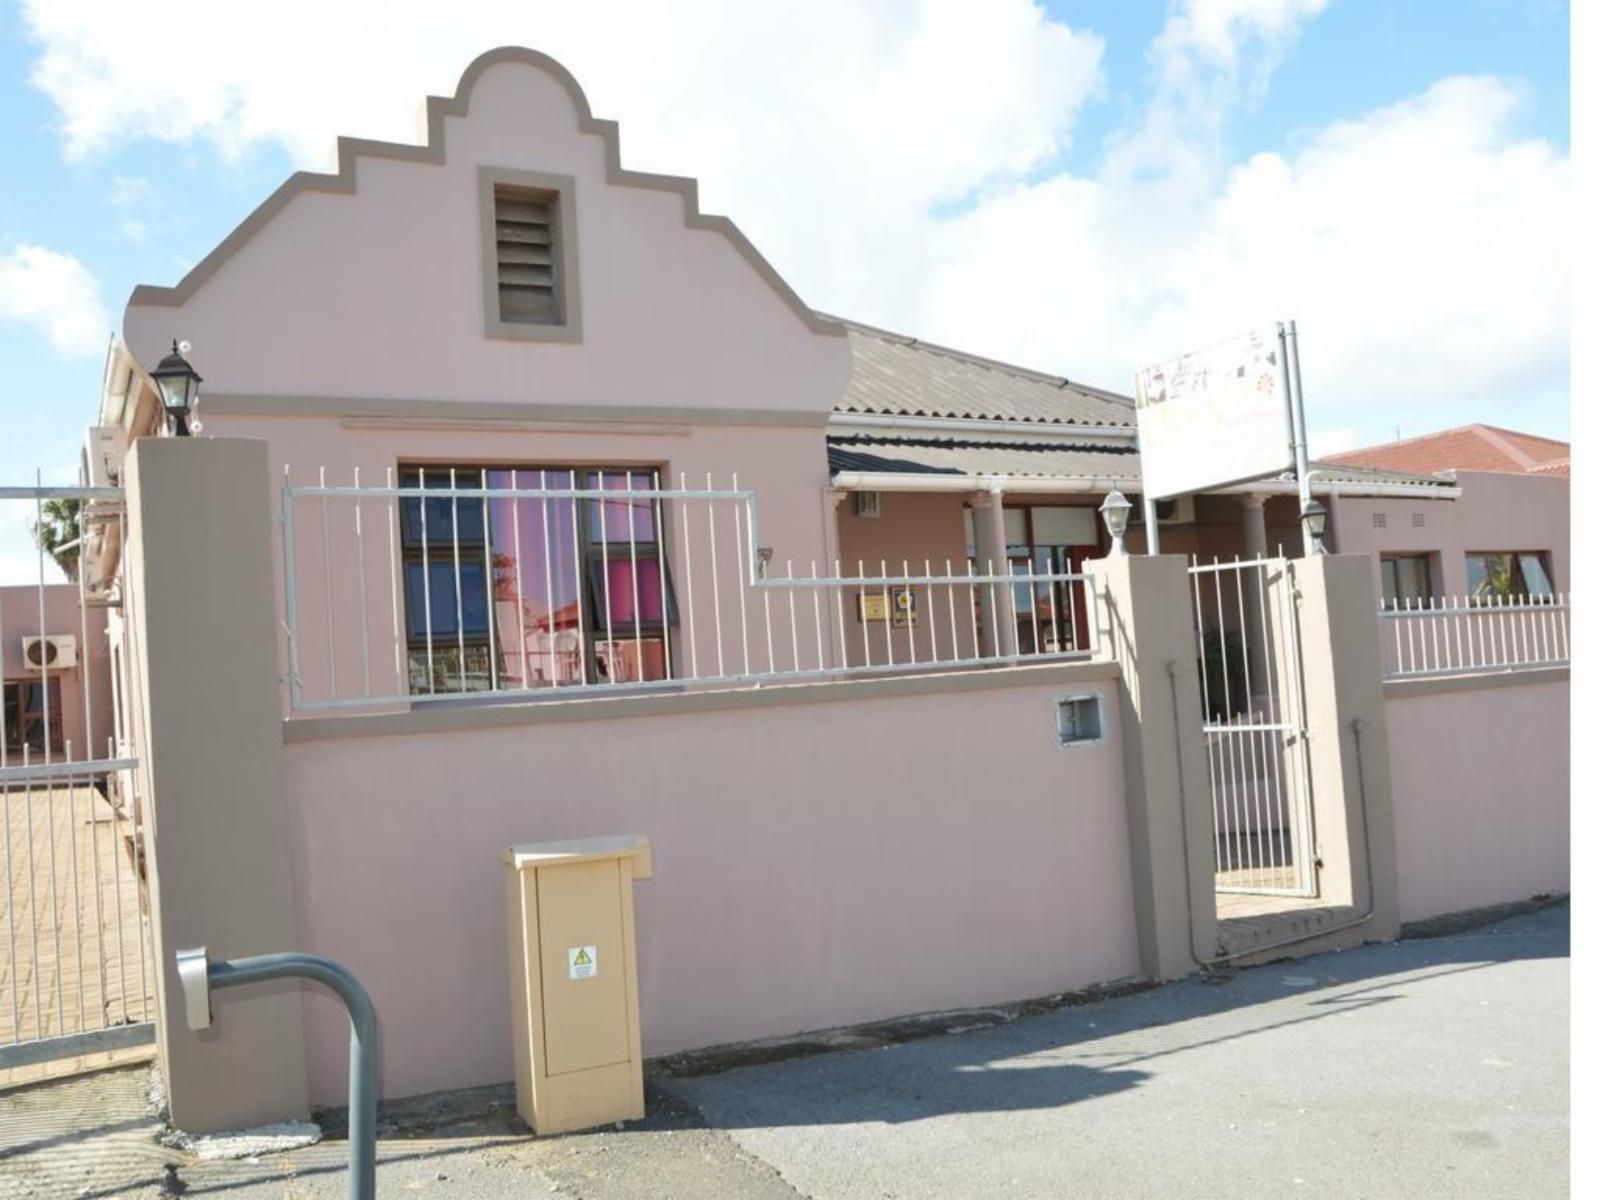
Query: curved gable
361	282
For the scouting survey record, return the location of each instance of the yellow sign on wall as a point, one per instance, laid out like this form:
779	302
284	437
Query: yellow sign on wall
900	603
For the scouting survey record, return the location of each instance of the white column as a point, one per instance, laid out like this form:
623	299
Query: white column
989	554
1255	633
1254	519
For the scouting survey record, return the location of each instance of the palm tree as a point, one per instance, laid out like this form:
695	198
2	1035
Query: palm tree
56	532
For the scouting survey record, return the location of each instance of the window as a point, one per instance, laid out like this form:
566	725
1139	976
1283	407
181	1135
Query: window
530	258
1407	580
1511	573
580	588
25	716
1052	616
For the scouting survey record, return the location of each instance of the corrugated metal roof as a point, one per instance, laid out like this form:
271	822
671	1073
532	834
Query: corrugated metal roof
949	456
896	375
1059	459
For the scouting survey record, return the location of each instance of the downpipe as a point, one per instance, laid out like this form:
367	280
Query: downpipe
199	976
1188	879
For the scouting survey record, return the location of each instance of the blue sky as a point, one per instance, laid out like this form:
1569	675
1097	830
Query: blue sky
137	187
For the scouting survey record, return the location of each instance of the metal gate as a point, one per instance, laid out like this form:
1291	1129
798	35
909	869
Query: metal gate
1247	637
76	965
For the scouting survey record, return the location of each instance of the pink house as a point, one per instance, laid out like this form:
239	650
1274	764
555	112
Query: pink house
529	502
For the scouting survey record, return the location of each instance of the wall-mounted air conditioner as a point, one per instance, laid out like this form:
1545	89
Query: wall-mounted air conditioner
1177	511
57	652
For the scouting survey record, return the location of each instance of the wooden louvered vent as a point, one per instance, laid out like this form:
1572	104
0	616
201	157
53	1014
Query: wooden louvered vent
526	256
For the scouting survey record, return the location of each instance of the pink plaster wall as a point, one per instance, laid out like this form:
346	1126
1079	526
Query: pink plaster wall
379	293
85	727
810	871
1482	792
1496	511
917	526
785	466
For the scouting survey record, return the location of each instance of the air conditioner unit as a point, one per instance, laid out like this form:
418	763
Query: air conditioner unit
869	504
1179	510
56	652
102	456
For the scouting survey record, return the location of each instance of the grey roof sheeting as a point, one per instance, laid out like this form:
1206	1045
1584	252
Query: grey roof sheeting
1044	459
948	456
895	375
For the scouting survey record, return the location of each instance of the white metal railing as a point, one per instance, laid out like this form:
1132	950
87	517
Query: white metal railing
545	584
1443	635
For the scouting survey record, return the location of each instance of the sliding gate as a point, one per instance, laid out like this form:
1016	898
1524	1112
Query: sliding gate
76	968
1248	641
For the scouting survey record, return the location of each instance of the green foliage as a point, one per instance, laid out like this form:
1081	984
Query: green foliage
1224	687
56	532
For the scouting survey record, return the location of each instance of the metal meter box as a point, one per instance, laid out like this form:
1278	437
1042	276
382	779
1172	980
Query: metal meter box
574	985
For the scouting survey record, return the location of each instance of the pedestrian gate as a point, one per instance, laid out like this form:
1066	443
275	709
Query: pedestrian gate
76	967
1247	638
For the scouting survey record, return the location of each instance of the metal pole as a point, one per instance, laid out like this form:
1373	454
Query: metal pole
1297	422
1152	532
261	968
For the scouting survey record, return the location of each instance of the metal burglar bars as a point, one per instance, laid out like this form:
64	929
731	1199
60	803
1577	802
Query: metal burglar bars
445	584
76	968
1443	635
1248	641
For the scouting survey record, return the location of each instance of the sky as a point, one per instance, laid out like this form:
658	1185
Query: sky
1082	188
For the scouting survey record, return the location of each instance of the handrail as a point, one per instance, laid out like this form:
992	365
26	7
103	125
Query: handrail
198	976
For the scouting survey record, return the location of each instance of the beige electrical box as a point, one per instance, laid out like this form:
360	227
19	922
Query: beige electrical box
574	985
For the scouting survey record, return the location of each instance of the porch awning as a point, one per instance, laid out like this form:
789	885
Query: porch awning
872	463
959	457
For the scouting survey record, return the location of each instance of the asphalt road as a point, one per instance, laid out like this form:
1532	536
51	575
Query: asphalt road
1425	1068
1429	1068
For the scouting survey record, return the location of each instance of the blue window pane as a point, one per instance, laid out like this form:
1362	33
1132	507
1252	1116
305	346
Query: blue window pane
438	597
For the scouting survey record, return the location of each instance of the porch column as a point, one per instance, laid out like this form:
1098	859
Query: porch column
1253	513
201	593
832	498
1254	518
999	630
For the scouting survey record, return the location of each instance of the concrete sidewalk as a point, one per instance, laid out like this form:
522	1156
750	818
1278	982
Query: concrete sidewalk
1422	1068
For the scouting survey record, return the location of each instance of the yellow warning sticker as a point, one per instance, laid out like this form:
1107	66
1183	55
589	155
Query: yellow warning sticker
582	962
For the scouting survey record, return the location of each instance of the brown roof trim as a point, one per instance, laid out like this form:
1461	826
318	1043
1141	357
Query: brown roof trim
440	107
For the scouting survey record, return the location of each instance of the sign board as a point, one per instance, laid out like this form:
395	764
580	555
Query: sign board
1214	417
581	962
899	607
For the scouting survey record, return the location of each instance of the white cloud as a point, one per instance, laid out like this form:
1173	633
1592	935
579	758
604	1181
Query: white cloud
57	296
127	191
1420	249
894	162
133	230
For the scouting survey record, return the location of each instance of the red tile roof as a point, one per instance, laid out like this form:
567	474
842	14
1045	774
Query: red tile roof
1470	448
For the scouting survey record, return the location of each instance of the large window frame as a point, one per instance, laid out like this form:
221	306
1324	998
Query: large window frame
636	646
1060	616
1519	573
1400	579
